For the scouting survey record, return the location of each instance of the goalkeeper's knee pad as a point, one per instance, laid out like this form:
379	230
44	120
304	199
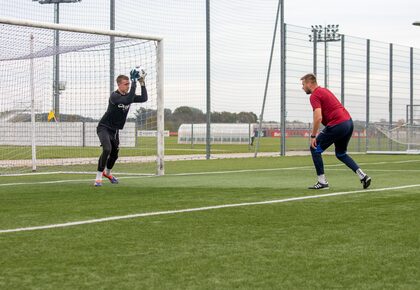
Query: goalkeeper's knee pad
341	156
318	150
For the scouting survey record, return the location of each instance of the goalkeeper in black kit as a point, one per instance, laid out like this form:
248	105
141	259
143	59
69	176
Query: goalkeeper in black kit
114	120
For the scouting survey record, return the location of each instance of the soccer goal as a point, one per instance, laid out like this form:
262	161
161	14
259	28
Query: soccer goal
403	138
55	82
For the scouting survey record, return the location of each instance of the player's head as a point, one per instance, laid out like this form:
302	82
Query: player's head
309	83
123	83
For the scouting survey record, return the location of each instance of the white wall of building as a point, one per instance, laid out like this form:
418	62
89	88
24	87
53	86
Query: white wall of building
221	133
75	134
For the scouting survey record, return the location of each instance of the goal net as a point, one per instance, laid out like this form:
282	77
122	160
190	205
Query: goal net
400	138
55	83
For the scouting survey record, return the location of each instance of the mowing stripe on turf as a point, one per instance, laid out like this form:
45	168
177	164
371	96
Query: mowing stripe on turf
138	175
147	214
194	173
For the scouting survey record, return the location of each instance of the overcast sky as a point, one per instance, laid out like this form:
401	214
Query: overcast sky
382	20
182	24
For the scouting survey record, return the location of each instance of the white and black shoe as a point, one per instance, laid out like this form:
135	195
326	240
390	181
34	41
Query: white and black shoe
366	181
319	185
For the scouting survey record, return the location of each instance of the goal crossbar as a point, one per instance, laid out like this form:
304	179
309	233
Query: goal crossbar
72	28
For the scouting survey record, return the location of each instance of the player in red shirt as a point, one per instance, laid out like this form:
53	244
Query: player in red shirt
338	130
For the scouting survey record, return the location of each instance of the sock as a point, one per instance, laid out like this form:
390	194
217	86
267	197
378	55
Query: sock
107	171
322	179
360	173
99	175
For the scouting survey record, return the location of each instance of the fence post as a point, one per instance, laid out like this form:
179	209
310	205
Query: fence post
367	92
283	84
410	128
208	91
390	92
83	133
192	135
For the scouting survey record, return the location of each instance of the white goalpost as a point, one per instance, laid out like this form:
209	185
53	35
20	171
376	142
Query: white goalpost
53	93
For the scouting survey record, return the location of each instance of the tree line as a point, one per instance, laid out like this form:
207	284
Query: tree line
188	115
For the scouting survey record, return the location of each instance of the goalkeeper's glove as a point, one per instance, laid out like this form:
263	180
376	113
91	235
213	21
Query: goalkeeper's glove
142	77
134	75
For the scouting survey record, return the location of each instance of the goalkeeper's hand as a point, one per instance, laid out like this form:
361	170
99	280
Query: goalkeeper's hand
142	77
134	75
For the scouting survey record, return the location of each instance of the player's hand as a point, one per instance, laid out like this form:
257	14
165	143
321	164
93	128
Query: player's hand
134	75
313	143
142	77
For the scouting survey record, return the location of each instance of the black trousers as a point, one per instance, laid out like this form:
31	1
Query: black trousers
110	142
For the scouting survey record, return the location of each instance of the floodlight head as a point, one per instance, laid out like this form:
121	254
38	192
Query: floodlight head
56	1
328	32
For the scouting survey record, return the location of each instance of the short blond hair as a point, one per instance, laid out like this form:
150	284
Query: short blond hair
309	78
121	78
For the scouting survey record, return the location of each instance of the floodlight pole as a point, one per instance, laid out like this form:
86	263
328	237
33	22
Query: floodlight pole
324	34
33	119
112	48
282	81
325	60
410	120
56	64
56	59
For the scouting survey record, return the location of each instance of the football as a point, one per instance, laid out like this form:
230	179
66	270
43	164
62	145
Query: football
135	73
137	68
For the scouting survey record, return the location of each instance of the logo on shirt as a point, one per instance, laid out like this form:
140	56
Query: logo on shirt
124	107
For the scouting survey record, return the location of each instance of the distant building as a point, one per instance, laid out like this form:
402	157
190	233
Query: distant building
221	133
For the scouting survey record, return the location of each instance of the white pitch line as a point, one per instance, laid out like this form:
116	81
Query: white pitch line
68	172
147	214
68	180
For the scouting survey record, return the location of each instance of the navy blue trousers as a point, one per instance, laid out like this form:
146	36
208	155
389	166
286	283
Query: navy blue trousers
339	135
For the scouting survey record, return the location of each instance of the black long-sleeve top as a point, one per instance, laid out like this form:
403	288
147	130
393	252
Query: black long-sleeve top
119	105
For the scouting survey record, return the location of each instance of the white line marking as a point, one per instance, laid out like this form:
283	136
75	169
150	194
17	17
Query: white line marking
147	214
67	172
68	180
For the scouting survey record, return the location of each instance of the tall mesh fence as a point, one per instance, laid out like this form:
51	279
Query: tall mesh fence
371	78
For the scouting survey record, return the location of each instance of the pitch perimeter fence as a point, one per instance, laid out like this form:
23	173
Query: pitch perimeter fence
375	80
